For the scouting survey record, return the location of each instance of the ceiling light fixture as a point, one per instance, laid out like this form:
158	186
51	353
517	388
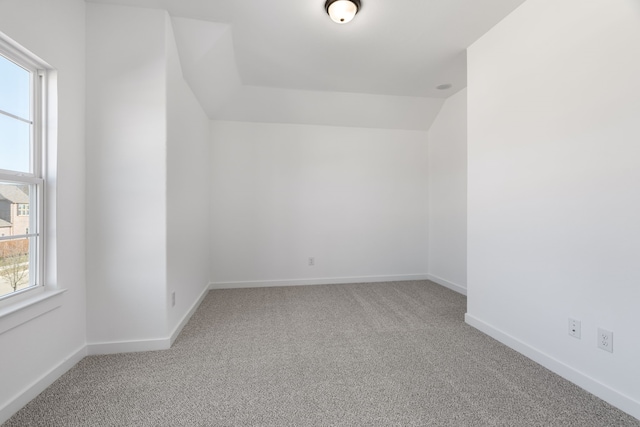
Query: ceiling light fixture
342	11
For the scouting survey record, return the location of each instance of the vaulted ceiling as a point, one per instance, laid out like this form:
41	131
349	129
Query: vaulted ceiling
394	51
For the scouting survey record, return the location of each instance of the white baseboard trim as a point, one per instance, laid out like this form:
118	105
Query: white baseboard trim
133	346
37	387
47	379
187	316
453	286
604	392
320	281
156	344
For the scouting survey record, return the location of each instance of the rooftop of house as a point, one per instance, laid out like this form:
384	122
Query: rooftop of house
13	193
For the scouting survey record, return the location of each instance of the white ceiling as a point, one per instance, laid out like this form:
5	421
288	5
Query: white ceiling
392	47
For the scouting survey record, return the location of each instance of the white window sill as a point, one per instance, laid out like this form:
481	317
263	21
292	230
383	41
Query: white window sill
24	310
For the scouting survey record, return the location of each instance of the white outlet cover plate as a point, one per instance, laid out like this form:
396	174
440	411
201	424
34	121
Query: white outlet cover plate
605	340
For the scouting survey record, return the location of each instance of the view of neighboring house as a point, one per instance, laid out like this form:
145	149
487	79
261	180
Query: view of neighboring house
5	226
14	210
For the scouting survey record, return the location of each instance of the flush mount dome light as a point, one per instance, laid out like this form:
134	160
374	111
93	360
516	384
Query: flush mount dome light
342	11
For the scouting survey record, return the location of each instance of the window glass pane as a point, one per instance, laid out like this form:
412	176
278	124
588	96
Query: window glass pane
14	88
14	265
15	136
20	194
15	258
14	201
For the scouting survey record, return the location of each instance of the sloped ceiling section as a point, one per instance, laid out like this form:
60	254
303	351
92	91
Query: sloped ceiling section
209	67
274	105
208	61
288	57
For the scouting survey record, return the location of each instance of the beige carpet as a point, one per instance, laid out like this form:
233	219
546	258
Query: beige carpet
384	354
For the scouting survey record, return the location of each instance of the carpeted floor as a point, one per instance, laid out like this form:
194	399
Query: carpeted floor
383	354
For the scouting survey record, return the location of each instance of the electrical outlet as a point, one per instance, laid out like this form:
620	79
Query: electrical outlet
312	261
605	340
173	299
574	328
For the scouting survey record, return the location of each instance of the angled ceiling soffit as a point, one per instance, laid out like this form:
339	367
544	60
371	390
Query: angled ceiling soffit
208	61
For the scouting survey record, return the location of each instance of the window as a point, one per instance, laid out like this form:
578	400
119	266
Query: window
23	209
21	171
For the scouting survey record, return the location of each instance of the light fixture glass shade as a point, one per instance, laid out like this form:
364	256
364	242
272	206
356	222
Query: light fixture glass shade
342	11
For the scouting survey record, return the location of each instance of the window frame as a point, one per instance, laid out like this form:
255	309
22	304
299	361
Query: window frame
35	178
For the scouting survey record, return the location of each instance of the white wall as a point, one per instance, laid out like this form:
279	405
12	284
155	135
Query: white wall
353	198
448	194
554	200
35	353
148	208
126	174
188	140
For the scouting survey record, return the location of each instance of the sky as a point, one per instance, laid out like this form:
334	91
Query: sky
14	133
